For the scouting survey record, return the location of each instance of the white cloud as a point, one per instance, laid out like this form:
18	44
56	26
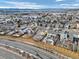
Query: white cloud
6	7
75	4
58	0
69	5
28	5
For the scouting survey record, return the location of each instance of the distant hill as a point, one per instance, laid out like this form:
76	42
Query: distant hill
15	10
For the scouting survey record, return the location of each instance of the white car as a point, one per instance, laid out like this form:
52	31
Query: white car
2	33
15	35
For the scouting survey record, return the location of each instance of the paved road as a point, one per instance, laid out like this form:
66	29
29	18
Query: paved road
4	54
31	49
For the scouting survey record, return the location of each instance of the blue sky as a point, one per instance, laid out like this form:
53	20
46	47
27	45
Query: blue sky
38	4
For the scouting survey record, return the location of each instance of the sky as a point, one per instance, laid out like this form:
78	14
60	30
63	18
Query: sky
39	4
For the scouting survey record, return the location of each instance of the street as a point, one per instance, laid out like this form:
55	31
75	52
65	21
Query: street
4	54
31	49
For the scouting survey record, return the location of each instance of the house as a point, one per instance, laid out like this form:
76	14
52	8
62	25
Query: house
49	39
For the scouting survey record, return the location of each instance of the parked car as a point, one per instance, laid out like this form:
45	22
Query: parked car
2	33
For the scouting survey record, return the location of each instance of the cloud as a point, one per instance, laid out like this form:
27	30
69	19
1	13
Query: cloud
6	7
31	5
28	5
58	0
69	5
